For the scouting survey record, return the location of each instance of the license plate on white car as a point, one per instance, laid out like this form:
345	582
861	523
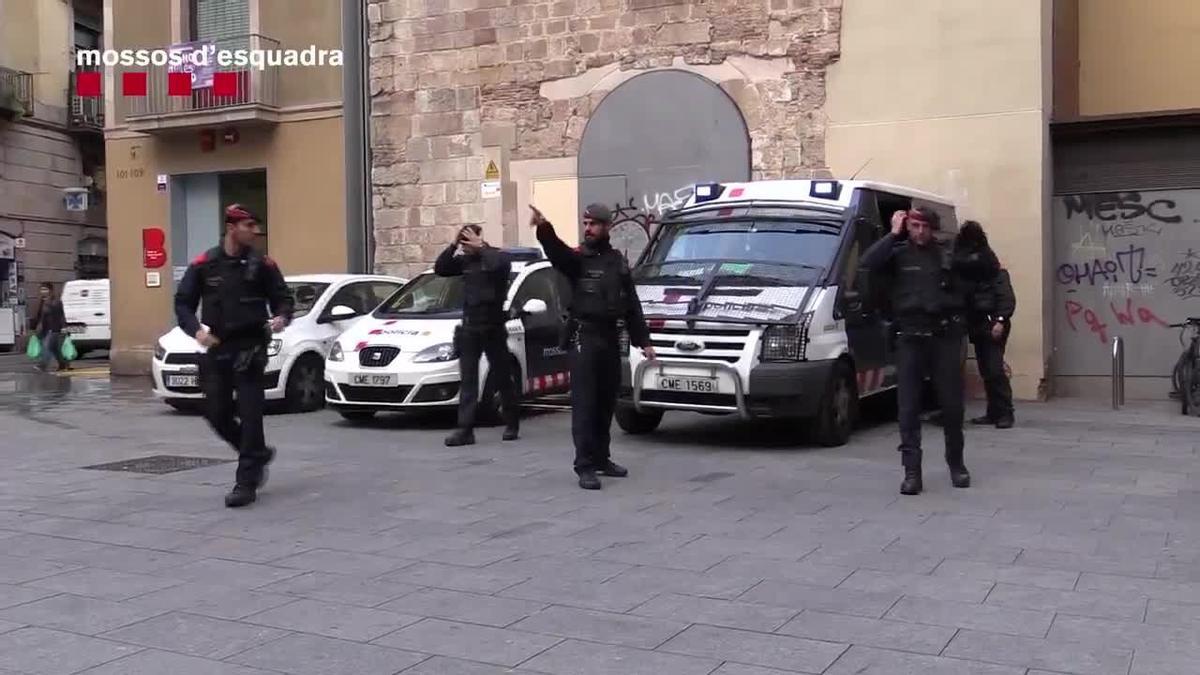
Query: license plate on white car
691	385
373	380
182	380
74	330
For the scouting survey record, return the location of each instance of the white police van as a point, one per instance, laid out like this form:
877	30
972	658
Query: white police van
403	357
758	308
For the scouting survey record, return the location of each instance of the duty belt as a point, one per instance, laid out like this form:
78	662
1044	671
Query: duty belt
930	328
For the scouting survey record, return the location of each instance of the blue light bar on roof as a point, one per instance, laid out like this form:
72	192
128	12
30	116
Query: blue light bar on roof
708	192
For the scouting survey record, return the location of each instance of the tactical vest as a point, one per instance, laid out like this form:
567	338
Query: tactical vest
600	294
239	309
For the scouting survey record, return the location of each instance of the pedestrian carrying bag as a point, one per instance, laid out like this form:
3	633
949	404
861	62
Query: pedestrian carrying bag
68	349
34	349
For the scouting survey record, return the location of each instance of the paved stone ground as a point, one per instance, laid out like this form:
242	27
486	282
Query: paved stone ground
728	551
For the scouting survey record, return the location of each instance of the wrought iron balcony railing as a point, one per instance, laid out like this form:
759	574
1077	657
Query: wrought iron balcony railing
16	93
87	112
257	85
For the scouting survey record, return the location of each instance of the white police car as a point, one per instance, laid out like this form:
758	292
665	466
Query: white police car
402	357
326	305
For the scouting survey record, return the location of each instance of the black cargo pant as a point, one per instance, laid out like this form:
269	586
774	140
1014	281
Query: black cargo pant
226	369
595	379
937	355
989	355
491	340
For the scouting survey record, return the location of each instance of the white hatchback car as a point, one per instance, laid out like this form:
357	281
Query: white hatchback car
326	305
403	357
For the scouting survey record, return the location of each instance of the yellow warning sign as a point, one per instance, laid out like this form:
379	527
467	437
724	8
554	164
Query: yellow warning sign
492	172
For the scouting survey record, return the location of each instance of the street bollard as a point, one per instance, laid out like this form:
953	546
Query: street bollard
1118	372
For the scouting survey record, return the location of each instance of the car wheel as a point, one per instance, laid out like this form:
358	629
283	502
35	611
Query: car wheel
634	422
489	411
357	415
839	408
305	391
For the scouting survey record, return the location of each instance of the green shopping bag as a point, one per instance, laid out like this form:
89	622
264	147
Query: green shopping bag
34	349
68	349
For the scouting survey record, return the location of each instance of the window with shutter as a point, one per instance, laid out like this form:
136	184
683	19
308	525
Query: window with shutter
214	20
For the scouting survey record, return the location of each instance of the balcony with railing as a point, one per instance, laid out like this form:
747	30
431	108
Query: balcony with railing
86	112
16	94
255	98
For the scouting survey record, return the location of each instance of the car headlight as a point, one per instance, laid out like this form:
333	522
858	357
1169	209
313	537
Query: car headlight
160	352
786	343
335	352
437	353
274	348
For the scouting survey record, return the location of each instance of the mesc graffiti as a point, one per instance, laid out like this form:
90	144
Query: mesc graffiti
1125	264
635	220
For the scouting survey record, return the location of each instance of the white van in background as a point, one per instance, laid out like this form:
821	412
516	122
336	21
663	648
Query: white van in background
86	306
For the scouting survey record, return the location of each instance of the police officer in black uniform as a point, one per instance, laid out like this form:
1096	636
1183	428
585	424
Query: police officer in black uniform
603	296
928	303
485	270
991	306
233	285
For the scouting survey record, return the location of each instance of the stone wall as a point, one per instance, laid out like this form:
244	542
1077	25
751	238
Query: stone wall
36	162
451	77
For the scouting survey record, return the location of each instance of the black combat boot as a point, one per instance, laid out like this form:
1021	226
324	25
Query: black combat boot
960	477
611	468
1005	422
240	495
912	481
512	431
983	420
266	473
460	437
588	480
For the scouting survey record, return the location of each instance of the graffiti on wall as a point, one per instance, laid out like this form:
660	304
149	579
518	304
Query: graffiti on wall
1125	264
635	220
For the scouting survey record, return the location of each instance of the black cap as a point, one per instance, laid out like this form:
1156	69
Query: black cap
598	212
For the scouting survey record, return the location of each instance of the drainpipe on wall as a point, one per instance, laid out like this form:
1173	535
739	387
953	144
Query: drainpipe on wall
356	111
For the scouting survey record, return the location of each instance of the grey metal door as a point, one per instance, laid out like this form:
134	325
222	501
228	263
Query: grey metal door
650	141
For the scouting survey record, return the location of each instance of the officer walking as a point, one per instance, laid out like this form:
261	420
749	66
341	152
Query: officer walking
485	271
928	303
233	284
603	295
991	306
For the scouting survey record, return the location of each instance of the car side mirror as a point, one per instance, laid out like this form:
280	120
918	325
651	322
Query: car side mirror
340	313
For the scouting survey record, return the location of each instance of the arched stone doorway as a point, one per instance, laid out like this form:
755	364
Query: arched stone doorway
650	140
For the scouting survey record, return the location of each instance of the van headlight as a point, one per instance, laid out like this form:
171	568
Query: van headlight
160	352
786	343
335	352
437	353
274	348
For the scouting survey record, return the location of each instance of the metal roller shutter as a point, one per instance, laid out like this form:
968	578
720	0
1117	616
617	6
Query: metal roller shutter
1127	159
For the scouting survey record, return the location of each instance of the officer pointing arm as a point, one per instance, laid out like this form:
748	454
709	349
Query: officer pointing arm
567	261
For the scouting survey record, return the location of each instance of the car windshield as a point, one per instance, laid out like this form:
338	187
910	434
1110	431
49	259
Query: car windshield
427	294
305	294
743	251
